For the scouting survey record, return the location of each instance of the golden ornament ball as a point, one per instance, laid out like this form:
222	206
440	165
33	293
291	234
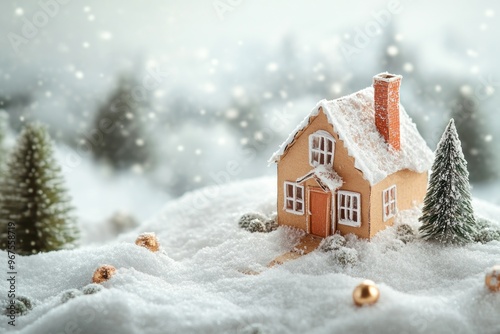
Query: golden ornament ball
367	293
103	273
149	241
492	279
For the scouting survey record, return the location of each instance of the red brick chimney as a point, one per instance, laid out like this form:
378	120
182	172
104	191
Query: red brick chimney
386	100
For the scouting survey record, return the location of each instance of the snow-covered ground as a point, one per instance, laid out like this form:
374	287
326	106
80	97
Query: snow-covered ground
197	284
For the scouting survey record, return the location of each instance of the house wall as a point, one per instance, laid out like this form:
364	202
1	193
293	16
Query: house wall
410	190
295	164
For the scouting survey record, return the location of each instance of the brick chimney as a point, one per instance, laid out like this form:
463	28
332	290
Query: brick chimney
386	100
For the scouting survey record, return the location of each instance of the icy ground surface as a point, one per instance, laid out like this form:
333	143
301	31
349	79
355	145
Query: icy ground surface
196	285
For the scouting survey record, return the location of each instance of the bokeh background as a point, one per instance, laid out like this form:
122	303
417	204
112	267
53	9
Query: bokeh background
148	100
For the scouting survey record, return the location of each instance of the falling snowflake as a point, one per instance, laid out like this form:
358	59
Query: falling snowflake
232	113
392	50
272	67
79	74
105	35
408	67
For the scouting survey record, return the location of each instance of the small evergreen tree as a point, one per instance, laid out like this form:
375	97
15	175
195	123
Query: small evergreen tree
33	197
124	143
447	216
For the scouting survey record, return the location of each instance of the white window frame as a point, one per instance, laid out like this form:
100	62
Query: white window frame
325	136
391	203
349	208
295	200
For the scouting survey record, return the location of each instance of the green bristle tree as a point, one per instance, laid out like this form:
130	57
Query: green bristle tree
32	195
447	216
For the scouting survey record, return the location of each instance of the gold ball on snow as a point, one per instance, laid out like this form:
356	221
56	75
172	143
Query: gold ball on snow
103	273
149	241
492	279
367	293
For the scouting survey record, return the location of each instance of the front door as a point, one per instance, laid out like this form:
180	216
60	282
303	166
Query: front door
319	212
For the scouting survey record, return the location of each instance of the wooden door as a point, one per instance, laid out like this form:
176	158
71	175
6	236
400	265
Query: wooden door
319	211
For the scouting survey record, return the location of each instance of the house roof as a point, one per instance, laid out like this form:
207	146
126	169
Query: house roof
353	119
325	176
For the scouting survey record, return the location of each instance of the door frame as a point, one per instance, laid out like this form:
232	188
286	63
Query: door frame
333	215
329	210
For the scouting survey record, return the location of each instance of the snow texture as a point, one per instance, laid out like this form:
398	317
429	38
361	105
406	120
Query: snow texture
353	119
197	284
326	177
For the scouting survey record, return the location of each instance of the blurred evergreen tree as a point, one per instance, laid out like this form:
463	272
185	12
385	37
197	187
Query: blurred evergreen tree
32	196
472	130
4	124
122	141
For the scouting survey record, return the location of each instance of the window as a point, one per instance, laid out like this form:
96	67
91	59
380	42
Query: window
349	208
321	148
294	198
389	199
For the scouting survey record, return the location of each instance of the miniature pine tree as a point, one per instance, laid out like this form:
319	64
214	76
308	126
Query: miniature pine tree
33	197
447	216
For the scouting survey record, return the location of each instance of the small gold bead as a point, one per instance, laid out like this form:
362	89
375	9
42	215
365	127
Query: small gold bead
492	278
367	293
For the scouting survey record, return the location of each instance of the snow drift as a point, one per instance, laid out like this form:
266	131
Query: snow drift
196	283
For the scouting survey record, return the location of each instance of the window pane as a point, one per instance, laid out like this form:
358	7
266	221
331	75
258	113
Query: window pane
299	193
386	196
315	157
329	159
355	216
393	192
322	159
322	143
387	211
289	204
299	206
354	202
330	145
315	142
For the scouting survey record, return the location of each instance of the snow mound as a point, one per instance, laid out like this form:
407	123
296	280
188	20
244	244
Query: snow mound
197	286
353	119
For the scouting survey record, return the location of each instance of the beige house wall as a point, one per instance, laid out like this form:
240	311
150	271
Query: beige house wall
295	164
410	190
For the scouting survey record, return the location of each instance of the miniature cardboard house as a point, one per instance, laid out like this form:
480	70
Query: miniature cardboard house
352	164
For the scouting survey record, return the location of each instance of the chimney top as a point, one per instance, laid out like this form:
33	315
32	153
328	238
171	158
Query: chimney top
387	77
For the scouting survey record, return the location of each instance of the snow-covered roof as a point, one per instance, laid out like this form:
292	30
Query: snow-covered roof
353	119
326	177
